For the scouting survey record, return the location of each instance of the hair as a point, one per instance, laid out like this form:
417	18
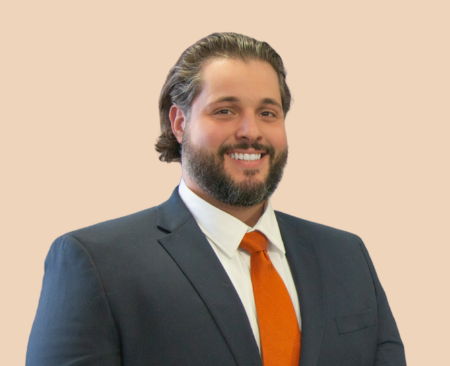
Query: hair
184	81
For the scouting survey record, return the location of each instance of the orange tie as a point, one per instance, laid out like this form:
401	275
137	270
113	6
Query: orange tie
278	326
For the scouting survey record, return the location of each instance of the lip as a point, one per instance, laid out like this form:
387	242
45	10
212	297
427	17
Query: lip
248	164
246	151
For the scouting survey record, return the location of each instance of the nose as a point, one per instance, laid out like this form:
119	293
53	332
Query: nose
248	129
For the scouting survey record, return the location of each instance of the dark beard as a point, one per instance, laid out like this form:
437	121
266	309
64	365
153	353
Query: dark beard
208	171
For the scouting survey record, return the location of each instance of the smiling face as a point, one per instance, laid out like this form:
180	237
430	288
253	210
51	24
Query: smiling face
234	146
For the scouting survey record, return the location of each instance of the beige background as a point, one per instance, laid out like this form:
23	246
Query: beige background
368	134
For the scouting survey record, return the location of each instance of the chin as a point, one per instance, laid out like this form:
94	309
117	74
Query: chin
249	176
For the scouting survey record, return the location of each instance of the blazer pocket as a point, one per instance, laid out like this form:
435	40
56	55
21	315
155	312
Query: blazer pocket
354	322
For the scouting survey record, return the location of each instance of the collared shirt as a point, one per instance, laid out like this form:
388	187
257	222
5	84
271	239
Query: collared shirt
225	232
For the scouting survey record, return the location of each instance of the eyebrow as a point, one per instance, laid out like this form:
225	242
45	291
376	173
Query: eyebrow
264	101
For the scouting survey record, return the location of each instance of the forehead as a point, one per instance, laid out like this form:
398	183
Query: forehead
250	81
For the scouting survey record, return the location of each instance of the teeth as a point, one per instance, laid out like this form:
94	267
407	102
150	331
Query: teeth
246	157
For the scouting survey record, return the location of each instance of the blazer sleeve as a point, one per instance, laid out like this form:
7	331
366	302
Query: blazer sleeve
390	350
73	324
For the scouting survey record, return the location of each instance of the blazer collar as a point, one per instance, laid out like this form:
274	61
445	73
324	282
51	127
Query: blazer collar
304	265
190	250
173	213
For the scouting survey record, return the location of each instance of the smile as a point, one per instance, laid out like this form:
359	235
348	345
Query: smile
247	157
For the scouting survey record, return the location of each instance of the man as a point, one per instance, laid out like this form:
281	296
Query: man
214	276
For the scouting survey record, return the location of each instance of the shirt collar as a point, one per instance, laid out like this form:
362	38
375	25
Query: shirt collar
225	230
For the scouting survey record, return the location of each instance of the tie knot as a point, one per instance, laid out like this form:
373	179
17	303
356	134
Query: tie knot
254	242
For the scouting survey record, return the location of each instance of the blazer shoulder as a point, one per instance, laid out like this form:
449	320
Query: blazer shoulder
128	228
128	233
313	230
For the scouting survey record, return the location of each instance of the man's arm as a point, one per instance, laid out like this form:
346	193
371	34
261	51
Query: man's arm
390	350
73	324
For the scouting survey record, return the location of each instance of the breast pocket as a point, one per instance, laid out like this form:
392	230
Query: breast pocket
354	322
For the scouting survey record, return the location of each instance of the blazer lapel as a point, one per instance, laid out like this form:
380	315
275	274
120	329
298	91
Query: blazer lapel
305	271
189	248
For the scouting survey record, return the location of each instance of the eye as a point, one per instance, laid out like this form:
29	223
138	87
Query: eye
223	111
268	114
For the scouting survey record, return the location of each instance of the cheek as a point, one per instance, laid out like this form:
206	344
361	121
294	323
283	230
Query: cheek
209	137
278	138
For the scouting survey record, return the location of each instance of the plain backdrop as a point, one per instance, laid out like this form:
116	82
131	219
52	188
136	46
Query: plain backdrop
368	134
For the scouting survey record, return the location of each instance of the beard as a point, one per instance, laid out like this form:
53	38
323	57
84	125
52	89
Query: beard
208	171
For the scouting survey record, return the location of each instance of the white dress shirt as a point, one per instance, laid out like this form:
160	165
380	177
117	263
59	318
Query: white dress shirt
225	232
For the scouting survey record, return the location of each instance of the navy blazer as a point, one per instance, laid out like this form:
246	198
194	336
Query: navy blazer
148	289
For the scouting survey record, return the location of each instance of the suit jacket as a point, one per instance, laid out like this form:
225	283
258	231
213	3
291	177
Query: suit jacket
148	289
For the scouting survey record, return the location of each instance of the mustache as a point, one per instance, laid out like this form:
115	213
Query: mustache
245	146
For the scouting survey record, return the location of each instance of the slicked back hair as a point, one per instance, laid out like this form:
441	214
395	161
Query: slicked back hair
184	82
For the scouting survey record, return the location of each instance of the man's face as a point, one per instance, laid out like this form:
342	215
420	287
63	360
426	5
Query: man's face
234	147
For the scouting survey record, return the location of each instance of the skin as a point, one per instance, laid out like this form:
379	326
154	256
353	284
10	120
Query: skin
251	112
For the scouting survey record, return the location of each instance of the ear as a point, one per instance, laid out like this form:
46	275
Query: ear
177	121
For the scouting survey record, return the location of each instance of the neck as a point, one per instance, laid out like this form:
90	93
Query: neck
248	215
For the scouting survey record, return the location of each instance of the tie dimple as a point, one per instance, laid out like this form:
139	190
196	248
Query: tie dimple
253	242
